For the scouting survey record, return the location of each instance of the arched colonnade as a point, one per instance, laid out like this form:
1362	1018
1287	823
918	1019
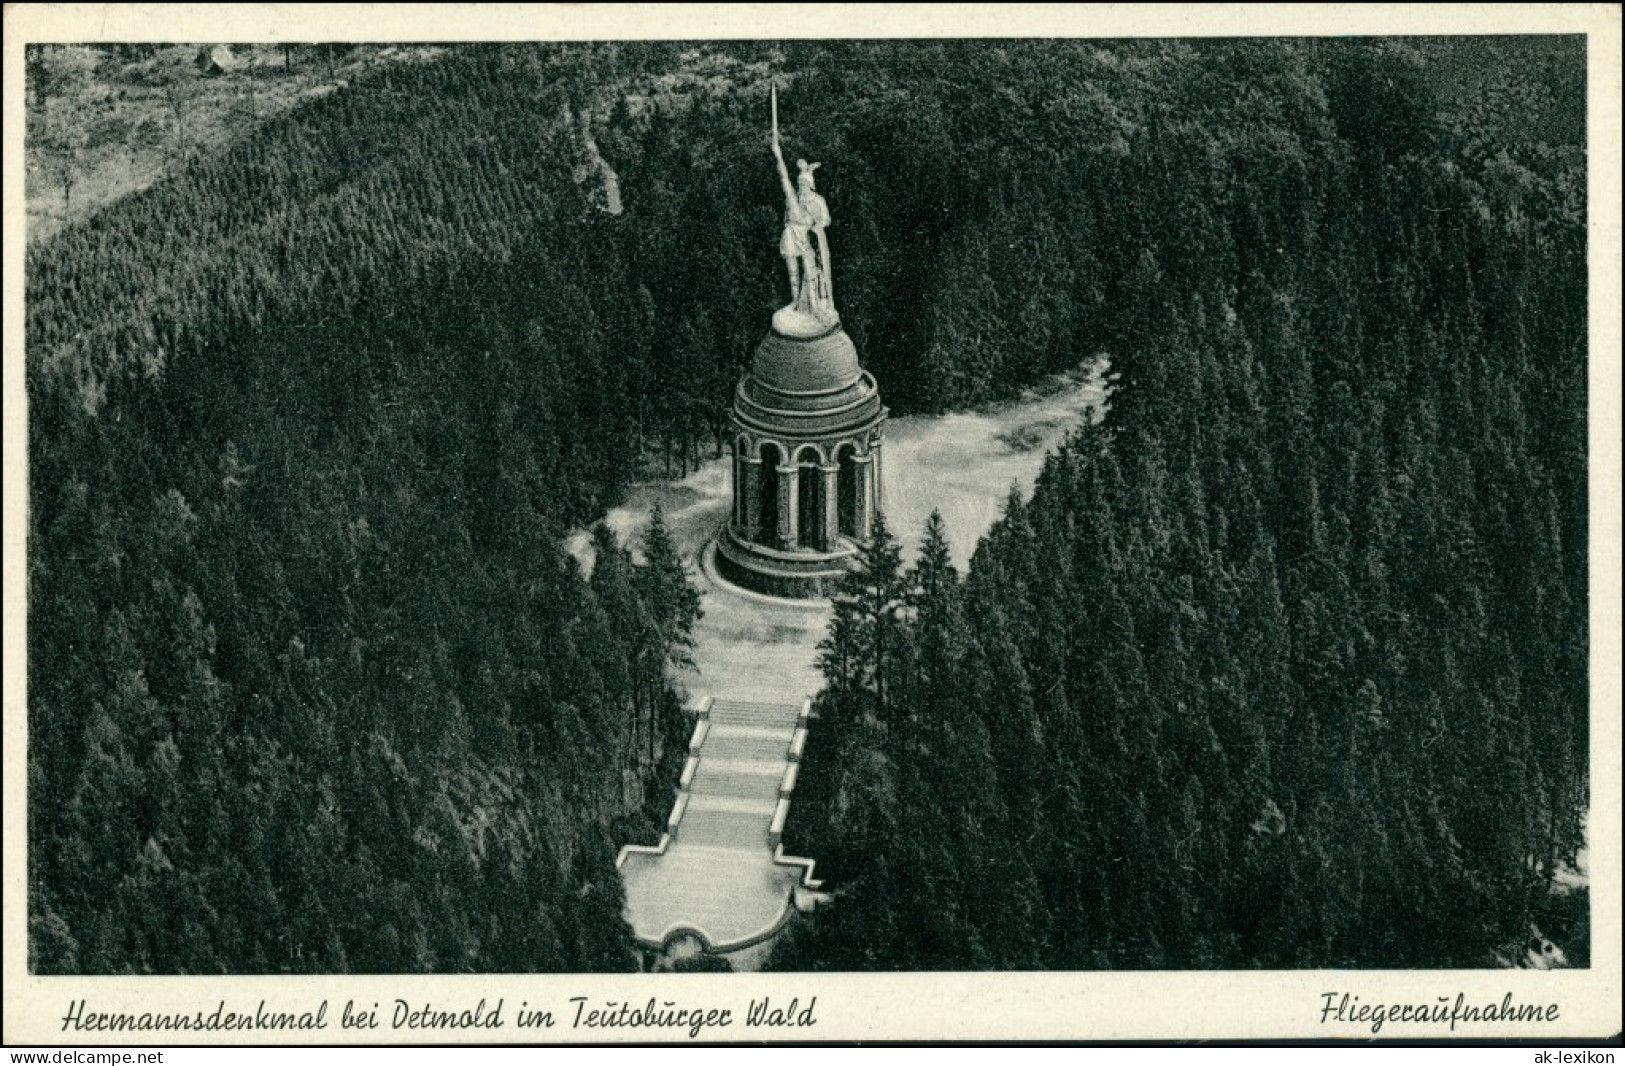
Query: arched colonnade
805	496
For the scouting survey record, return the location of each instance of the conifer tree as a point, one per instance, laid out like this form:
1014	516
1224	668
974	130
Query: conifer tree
665	589
865	649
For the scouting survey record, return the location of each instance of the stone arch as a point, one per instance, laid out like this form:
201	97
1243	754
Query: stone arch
811	498
742	446
685	936
848	490
767	516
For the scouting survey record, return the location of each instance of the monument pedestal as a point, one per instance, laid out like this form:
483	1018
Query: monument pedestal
801	324
794	575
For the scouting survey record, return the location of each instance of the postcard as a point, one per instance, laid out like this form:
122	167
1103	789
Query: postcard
703	524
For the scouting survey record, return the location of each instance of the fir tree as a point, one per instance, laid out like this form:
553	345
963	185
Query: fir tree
865	647
664	588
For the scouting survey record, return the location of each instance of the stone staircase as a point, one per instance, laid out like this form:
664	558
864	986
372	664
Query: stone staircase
746	781
754	715
747	744
735	787
719	871
724	829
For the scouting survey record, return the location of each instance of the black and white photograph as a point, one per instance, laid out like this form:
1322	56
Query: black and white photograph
701	512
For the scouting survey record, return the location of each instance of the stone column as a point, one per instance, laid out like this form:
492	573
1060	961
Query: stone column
750	498
832	506
789	479
864	506
880	503
736	520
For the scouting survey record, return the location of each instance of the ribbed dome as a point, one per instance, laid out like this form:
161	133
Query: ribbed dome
806	387
800	366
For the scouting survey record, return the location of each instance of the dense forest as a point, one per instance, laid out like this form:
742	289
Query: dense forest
312	685
1285	664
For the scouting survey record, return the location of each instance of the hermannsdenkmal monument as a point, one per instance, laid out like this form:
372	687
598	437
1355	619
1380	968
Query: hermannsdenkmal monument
806	463
806	488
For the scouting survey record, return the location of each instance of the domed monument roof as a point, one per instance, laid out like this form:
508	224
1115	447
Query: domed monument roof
806	365
801	386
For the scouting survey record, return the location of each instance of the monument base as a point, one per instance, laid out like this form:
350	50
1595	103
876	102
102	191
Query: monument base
791	575
803	323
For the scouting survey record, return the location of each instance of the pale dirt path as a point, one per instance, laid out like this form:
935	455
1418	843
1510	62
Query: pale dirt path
963	464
